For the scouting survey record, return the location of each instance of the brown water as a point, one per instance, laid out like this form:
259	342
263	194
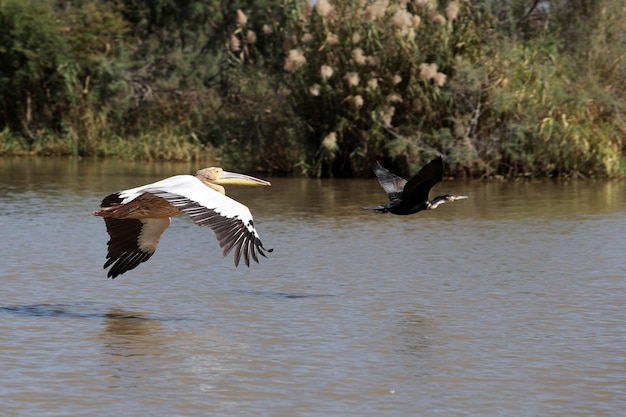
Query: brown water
510	303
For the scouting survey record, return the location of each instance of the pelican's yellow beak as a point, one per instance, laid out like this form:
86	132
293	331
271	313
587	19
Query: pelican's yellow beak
233	178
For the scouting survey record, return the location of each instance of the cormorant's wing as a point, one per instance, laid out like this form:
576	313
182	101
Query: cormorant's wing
419	186
391	183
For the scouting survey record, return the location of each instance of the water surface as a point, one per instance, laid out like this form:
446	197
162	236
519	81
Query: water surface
510	303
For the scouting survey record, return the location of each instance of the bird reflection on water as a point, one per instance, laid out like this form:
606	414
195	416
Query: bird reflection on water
130	333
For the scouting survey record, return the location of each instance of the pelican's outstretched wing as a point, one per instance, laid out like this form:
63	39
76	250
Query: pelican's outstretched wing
391	183
230	220
132	241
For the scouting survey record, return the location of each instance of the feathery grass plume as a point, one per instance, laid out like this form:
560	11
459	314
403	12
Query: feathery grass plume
358	56
426	4
438	18
295	59
332	39
242	19
397	79
402	19
409	33
358	101
352	78
376	10
356	38
323	8
428	71
251	37
307	38
372	83
440	79
326	71
373	61
330	142
267	29
386	115
315	90
235	43
416	20
452	11
394	98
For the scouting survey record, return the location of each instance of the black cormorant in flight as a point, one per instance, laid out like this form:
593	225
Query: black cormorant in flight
408	197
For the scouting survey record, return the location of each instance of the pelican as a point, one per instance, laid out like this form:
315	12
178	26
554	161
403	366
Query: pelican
408	197
136	218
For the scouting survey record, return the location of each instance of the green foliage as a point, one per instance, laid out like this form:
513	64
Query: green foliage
96	80
552	115
31	50
510	88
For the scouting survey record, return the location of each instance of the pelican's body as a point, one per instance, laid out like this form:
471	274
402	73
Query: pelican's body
408	197
136	218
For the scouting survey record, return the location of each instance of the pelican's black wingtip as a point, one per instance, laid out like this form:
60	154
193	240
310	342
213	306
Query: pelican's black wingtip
112	274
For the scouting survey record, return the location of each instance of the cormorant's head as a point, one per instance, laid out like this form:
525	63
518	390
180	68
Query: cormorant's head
448	198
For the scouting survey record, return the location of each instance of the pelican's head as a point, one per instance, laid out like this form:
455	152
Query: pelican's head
448	198
215	178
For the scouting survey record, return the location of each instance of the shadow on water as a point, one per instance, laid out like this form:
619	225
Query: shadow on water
129	335
415	331
82	310
281	295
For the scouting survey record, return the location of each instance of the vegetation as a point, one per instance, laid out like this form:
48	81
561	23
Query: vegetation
500	87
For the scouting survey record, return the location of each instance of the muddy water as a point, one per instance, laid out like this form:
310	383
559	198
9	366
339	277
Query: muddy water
510	303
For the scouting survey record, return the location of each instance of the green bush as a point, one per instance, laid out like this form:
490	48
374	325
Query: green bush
369	81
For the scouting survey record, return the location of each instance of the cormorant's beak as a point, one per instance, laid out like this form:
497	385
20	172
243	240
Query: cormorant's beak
233	178
458	197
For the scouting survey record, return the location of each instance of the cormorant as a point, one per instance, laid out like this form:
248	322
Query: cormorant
408	197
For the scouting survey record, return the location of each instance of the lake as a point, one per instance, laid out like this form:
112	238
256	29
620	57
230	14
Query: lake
510	303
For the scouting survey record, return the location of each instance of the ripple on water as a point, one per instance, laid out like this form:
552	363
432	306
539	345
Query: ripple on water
509	303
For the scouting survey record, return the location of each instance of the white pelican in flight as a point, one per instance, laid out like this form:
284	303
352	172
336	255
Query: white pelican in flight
136	218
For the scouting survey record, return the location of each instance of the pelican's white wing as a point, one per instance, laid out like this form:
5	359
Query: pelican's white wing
171	183
230	220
